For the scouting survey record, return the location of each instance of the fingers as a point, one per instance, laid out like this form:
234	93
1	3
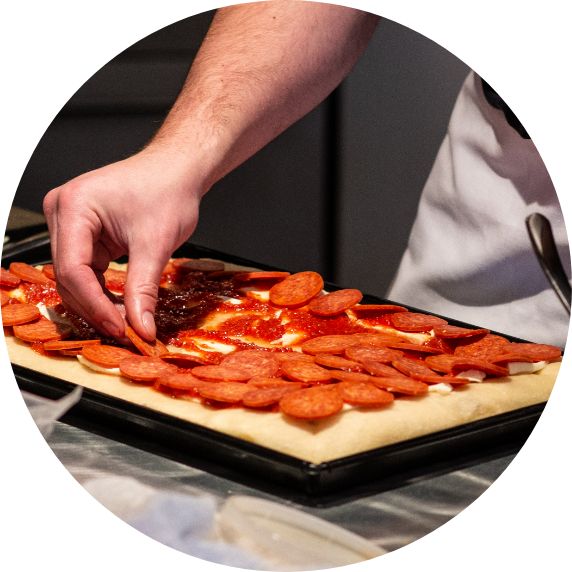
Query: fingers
142	288
79	261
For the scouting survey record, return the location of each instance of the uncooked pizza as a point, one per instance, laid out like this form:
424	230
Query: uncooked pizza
273	358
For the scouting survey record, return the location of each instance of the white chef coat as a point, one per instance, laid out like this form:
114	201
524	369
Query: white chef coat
469	255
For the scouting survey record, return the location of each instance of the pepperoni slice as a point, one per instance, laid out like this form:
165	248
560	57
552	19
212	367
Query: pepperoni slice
449	331
412	368
364	394
7	279
401	384
488	345
224	391
381	370
5	297
508	357
41	330
253	362
337	362
372	353
350	376
262	382
415	322
59	345
260	275
418	348
311	403
296	290
220	373
450	379
288	356
179	381
473	363
378	309
381	340
538	352
155	348
335	303
331	344
443	362
267	396
105	355
201	265
115	279
28	273
188	361
144	369
48	270
300	370
16	314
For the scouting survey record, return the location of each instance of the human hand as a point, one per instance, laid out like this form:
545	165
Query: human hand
145	207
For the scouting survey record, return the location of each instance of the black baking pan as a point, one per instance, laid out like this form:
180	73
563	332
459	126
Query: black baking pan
307	483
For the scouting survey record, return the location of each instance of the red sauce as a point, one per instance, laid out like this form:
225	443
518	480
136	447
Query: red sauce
381	320
44	293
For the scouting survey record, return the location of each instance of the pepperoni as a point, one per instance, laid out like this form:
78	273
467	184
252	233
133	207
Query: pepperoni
253	362
16	314
400	384
48	270
488	345
274	382
188	361
443	362
378	308
364	394
224	391
179	381
288	356
42	330
59	345
371	353
337	362
335	303
449	331
508	357
144	369
311	403
381	370
296	290
538	352
220	373
481	365
7	279
332	344
299	370
154	348
350	376
451	379
414	322
421	349
105	355
381	340
200	265
267	396
412	368
28	273
5	297
260	275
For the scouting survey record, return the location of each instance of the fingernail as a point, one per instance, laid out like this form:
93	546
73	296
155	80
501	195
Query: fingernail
149	323
112	329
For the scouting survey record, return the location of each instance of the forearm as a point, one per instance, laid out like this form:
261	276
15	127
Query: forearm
261	67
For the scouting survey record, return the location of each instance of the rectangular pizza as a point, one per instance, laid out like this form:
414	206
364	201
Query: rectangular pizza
274	359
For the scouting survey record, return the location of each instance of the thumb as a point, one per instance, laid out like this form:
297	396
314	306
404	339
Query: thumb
142	288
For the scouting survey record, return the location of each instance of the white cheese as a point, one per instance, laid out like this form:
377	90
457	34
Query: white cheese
98	368
474	375
441	388
516	367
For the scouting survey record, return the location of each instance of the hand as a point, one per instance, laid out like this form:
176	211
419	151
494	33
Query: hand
146	207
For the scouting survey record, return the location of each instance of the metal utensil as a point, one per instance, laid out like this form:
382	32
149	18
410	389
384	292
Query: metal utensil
542	238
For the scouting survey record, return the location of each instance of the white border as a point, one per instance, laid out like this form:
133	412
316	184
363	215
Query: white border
50	48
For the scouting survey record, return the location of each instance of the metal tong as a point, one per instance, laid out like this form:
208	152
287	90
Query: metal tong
542	238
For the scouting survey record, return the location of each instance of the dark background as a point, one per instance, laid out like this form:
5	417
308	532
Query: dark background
336	193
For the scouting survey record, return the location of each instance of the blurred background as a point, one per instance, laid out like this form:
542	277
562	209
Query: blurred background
336	193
